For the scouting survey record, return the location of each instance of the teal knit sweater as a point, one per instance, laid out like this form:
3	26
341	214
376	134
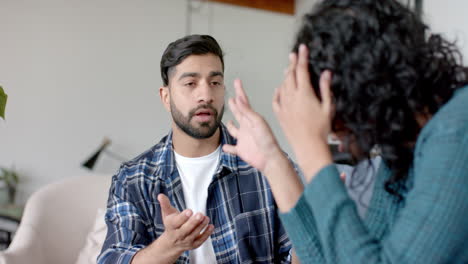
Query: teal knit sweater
430	223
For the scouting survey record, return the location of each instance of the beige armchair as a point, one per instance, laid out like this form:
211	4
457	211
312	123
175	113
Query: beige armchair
56	221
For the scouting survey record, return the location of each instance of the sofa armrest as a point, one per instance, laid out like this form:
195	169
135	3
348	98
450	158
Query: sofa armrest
22	250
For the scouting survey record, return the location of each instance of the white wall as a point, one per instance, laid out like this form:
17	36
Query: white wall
449	18
77	71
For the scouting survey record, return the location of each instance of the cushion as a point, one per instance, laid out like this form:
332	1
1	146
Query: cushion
94	241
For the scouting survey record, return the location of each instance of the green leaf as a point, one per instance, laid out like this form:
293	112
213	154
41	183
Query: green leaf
3	101
9	176
14	177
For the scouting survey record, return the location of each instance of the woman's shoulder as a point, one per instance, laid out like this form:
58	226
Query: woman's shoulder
452	118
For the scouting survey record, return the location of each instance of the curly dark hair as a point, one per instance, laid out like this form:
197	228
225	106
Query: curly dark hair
386	69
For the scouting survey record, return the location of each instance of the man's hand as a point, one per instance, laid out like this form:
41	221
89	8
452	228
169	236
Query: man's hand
183	231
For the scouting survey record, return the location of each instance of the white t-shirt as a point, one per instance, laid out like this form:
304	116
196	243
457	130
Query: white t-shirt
196	175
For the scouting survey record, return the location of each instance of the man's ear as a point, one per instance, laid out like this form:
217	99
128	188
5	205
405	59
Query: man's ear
165	96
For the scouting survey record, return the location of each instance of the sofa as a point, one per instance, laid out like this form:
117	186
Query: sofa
58	223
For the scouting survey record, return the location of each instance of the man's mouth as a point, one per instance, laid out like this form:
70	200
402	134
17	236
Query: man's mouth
204	115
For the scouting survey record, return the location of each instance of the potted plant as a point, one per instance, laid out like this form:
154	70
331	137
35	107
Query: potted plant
3	100
9	178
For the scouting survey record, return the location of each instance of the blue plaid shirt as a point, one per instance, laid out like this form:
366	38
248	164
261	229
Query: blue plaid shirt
240	205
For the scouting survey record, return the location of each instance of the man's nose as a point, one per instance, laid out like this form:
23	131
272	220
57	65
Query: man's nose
205	93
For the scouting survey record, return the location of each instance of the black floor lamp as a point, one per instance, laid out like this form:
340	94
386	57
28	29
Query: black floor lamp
91	162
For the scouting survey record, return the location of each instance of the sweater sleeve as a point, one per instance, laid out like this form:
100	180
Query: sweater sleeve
431	228
302	231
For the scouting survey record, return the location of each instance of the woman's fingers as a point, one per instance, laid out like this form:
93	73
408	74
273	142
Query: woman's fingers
241	111
233	130
231	149
249	115
240	93
325	91
276	103
290	78
302	71
234	109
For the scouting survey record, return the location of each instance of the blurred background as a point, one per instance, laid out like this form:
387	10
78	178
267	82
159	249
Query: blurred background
79	72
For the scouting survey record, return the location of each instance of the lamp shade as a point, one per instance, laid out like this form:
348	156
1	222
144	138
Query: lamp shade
89	163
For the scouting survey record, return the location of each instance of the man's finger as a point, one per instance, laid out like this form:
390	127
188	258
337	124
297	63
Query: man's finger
197	231
166	207
175	221
203	236
187	228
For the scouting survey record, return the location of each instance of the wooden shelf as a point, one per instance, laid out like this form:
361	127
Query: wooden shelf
281	6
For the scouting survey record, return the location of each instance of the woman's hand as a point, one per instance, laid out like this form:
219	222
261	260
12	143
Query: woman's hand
305	120
256	143
257	146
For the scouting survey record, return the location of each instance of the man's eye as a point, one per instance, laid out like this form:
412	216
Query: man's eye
215	83
190	84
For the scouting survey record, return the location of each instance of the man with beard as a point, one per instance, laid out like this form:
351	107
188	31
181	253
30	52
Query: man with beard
186	200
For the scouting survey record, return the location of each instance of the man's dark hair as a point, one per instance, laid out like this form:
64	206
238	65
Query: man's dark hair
178	50
386	69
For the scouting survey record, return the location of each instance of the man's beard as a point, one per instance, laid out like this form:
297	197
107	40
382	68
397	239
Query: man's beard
206	129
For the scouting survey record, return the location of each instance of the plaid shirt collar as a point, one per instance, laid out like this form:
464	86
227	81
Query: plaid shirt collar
165	159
